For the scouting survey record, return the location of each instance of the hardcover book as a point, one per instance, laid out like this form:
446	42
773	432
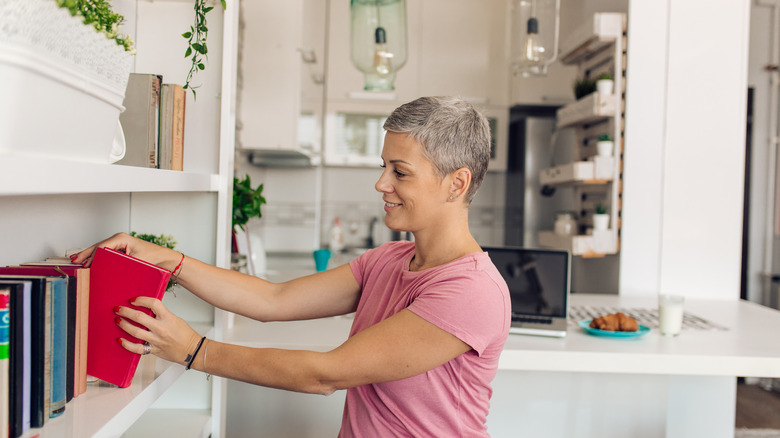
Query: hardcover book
57	346
141	120
115	279
173	99
5	362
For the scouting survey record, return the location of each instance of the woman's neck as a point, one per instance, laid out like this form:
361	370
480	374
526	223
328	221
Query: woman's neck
443	245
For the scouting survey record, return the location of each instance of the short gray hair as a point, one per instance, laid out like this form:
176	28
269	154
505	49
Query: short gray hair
452	132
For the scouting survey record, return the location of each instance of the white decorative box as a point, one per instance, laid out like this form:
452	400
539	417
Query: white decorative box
62	83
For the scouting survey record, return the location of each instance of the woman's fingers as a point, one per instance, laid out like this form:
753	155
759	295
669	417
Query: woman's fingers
170	337
135	347
117	242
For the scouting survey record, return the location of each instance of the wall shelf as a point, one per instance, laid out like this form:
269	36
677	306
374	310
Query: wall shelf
599	244
591	108
592	37
596	48
85	177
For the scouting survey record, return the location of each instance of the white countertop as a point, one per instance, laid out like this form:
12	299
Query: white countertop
748	348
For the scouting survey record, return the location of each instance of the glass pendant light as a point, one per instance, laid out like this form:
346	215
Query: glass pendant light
378	41
534	35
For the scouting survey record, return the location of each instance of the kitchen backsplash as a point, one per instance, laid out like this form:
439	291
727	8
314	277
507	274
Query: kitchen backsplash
291	221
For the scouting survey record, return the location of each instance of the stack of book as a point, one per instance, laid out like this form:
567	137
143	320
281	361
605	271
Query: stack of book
153	123
57	326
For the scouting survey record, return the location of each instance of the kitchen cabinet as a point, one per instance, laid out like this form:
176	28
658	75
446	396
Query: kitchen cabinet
597	47
53	204
269	65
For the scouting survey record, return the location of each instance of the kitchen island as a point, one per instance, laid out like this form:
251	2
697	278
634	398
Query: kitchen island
578	386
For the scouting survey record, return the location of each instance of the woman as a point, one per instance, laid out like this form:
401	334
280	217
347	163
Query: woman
431	315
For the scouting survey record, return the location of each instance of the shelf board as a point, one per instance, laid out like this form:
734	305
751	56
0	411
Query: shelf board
107	410
33	175
592	37
599	244
591	108
194	423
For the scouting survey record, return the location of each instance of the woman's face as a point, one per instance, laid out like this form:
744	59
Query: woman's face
412	191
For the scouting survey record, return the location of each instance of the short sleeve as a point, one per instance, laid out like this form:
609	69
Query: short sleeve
470	306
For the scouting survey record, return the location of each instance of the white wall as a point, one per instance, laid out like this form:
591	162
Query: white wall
685	131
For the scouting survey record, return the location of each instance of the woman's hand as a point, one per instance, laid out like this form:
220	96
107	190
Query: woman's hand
169	336
133	246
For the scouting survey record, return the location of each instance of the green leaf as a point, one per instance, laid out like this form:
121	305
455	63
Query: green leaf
188	52
187	35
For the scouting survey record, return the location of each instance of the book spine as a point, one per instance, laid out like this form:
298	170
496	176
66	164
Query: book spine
83	309
38	354
166	126
177	144
5	320
27	362
70	352
59	347
47	354
154	122
16	357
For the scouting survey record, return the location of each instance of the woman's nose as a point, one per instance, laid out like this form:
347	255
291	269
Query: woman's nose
382	186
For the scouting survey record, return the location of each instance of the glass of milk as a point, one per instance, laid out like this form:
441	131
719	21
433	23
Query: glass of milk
670	314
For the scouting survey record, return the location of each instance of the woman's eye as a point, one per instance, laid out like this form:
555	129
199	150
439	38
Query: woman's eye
382	166
399	174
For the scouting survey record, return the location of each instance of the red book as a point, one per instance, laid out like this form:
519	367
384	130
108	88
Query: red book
115	279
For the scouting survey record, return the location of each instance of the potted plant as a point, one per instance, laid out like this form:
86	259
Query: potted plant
57	59
247	204
583	87
600	218
605	145
605	85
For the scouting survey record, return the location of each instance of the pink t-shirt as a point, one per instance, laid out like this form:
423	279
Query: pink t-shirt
467	298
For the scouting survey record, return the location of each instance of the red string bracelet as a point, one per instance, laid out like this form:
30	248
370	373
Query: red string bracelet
179	265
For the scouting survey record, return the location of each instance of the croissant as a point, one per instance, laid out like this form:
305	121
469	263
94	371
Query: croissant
615	322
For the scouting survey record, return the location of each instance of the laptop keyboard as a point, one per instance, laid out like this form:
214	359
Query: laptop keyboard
532	319
644	316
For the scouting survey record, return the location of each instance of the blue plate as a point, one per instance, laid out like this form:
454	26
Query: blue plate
585	324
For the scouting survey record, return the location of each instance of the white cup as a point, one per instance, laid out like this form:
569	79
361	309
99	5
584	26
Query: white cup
670	314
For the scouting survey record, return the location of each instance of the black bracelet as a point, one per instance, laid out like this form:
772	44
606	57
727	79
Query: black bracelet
191	358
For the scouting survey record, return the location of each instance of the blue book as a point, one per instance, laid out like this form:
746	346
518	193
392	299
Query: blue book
58	344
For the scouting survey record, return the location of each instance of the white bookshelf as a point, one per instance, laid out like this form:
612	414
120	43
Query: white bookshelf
82	177
51	205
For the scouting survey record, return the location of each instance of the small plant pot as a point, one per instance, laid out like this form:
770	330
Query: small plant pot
605	148
605	87
600	222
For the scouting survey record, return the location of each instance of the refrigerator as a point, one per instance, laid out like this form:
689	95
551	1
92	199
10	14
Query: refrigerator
533	145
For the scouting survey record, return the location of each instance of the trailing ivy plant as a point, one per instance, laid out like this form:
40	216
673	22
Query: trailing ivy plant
196	42
99	14
247	201
164	240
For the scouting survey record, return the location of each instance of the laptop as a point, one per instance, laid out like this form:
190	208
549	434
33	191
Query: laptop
539	283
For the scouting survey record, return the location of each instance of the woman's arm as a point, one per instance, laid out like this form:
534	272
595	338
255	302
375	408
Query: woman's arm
401	346
329	293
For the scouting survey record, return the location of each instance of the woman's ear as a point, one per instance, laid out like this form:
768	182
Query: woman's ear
460	181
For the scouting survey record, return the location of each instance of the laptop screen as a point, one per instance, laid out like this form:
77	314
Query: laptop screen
538	279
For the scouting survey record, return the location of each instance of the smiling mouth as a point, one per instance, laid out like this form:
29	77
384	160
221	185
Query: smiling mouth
391	205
